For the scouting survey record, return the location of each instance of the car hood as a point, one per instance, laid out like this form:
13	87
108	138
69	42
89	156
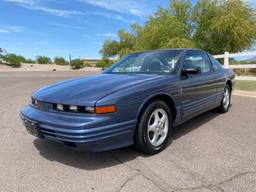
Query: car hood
88	90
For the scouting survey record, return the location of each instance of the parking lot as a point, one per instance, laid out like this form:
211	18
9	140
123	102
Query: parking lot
212	152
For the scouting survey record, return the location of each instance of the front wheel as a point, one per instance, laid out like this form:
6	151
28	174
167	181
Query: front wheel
154	128
225	103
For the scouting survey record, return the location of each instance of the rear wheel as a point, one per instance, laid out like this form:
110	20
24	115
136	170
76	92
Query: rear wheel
225	103
154	128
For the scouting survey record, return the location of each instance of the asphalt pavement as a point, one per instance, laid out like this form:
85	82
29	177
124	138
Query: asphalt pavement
212	152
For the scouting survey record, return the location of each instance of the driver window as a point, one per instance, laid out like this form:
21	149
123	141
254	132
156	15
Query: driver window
197	59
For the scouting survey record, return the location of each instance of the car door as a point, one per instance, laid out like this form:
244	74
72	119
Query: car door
220	78
198	91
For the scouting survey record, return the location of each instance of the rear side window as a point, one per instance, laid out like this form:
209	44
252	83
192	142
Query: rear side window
215	64
197	59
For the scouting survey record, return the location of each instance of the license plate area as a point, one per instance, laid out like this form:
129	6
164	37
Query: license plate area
32	128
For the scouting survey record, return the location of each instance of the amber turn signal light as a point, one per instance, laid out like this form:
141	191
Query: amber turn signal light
105	109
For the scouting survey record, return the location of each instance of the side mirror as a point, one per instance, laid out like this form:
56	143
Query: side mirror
191	70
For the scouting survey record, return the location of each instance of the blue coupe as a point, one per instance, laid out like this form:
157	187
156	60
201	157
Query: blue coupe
136	101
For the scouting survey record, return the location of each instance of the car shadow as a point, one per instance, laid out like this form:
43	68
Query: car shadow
54	151
192	124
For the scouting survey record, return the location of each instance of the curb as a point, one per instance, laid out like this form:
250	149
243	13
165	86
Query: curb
245	93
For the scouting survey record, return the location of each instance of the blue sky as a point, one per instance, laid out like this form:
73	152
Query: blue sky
63	27
59	27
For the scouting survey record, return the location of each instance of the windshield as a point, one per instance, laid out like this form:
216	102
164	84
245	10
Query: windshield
149	62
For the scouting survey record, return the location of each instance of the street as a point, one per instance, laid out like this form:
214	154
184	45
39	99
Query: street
212	152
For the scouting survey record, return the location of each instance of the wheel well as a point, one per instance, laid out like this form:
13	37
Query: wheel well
229	84
165	98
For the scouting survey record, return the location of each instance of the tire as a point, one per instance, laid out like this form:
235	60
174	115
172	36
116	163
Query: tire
154	128
226	101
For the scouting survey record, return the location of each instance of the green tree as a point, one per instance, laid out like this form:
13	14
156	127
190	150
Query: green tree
127	42
161	29
179	42
125	45
104	63
43	60
213	25
21	59
13	60
181	10
30	61
110	48
12	56
77	64
60	61
224	25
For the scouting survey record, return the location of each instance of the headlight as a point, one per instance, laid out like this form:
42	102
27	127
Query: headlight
86	109
75	108
34	101
59	107
90	109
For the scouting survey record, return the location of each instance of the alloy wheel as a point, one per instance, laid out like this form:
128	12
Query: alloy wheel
157	128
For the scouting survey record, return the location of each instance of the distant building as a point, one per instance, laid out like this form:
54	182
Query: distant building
92	61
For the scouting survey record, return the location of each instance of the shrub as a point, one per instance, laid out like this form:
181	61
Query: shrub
87	64
104	63
77	64
13	60
21	59
12	56
43	60
60	61
30	61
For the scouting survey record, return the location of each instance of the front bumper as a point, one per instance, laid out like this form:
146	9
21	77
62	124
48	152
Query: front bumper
92	133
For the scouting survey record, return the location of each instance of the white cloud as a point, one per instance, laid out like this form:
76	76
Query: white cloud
106	35
57	12
28	2
113	16
34	5
64	25
4	31
133	7
136	12
11	29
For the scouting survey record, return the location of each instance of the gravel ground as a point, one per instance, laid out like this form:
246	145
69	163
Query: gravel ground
212	152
